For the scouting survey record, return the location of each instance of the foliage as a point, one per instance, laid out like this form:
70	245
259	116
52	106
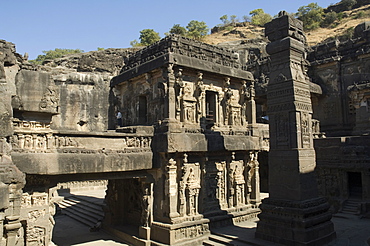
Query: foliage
147	37
135	43
225	20
259	17
53	54
348	4
311	16
246	18
360	14
329	19
341	15
197	29
233	19
99	49
177	29
349	33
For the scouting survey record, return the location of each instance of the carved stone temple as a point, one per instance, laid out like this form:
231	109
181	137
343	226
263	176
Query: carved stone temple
205	131
294	214
199	103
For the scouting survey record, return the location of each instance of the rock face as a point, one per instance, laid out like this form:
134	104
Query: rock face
293	214
108	61
11	179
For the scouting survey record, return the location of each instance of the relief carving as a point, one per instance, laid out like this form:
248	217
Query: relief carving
189	188
36	236
236	184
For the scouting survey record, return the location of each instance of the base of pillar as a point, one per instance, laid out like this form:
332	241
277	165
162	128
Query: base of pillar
184	234
232	216
295	223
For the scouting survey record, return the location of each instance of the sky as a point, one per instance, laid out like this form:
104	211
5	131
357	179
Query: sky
40	25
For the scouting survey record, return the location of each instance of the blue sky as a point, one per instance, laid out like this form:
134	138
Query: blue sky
37	25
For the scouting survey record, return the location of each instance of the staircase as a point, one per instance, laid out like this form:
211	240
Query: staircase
351	206
222	240
87	210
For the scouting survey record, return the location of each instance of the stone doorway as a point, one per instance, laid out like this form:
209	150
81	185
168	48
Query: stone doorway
211	99
354	185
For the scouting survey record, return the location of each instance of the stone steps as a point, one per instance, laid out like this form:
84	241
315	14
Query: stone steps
222	240
86	212
351	206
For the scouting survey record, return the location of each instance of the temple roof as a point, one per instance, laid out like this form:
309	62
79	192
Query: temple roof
185	52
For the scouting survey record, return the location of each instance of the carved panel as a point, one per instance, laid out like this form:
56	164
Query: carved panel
236	184
36	236
189	189
191	232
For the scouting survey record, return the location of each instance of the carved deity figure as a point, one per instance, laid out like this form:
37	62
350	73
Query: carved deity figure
236	184
226	101
179	90
200	97
189	188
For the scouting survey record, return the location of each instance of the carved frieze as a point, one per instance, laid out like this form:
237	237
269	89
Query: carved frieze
48	143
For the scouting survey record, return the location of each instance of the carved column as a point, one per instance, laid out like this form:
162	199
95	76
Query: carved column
253	177
170	95
171	188
251	108
294	214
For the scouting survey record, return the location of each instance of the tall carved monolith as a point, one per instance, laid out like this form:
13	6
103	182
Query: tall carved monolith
294	214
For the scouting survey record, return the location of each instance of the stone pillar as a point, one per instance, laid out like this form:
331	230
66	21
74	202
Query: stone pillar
251	107
171	188
294	214
254	177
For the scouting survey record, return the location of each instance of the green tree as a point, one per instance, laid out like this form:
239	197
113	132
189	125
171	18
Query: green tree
197	29
259	17
177	29
53	54
329	19
233	19
311	16
148	37
224	19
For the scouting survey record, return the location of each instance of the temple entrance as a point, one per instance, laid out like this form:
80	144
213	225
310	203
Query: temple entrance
354	184
143	110
211	106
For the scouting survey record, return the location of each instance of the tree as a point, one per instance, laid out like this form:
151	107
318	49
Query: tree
246	18
259	17
311	16
224	19
233	19
148	37
177	29
197	29
329	19
53	54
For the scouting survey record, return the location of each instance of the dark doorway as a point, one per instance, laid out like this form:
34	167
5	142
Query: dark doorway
143	110
211	106
354	184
